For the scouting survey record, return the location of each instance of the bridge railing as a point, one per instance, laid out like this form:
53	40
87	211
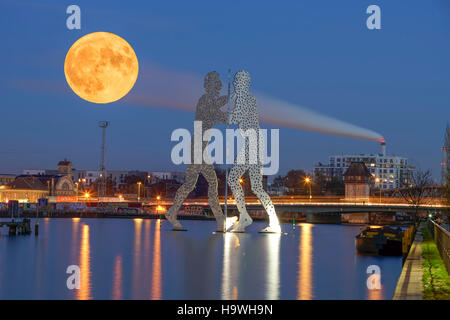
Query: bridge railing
442	240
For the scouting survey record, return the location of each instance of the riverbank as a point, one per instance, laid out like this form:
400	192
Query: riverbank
436	281
424	276
409	284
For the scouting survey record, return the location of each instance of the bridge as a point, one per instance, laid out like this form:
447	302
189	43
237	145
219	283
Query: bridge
302	204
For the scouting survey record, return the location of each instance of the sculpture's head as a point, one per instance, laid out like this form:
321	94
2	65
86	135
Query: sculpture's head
212	83
241	81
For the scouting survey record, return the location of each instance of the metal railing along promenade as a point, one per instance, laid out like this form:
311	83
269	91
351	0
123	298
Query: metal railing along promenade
442	240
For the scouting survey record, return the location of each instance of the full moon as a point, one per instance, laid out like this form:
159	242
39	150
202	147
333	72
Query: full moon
101	67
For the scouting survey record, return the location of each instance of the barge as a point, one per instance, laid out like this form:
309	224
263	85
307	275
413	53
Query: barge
380	240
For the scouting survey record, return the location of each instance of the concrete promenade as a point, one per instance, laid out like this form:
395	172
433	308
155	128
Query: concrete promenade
409	285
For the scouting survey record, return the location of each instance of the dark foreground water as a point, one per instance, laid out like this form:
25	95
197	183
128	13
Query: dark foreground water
144	259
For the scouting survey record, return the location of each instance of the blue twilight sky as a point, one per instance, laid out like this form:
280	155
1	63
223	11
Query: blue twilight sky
317	54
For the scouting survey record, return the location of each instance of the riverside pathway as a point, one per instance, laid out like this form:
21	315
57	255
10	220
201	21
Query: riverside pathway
409	285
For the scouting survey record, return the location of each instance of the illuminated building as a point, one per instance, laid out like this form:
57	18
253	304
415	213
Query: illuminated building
31	187
391	171
6	178
357	180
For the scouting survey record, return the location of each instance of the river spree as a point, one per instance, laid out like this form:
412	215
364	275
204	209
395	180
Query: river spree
144	259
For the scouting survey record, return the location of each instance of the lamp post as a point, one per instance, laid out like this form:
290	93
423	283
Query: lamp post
139	191
308	182
158	205
379	183
242	181
148	185
76	194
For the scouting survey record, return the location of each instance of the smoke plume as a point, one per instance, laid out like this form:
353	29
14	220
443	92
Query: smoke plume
159	87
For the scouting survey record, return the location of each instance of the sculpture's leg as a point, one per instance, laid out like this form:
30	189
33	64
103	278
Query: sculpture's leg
255	172
235	174
211	178
181	195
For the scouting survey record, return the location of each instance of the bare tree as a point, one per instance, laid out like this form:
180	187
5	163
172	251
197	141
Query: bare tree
446	194
419	191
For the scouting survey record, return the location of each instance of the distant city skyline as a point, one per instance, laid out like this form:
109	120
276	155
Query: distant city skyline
394	80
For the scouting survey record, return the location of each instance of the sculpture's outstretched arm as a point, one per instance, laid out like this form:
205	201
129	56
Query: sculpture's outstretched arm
222	101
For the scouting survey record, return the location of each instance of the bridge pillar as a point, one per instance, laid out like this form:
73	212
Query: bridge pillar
324	217
12	230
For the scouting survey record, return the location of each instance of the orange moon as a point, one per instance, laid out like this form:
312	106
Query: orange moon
101	67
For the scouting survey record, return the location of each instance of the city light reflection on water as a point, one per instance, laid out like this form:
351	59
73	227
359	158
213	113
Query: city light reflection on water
144	259
117	280
304	286
84	293
156	269
230	262
137	258
273	266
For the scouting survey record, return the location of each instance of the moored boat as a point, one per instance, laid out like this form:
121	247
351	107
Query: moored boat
380	240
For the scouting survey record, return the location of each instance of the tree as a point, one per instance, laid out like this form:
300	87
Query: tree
446	194
162	188
335	186
318	184
446	174
130	185
295	182
221	181
416	194
110	187
278	181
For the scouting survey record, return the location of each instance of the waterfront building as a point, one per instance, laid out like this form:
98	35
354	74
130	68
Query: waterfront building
118	177
6	178
27	190
388	171
31	187
168	175
357	179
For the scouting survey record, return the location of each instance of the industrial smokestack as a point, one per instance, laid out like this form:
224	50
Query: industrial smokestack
383	148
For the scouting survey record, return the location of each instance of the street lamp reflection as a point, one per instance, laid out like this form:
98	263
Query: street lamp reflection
304	284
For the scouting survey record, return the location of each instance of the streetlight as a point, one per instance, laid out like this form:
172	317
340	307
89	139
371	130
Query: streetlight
139	191
76	194
158	207
148	184
308	182
379	183
241	181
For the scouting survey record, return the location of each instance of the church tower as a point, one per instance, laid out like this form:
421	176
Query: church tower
65	168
